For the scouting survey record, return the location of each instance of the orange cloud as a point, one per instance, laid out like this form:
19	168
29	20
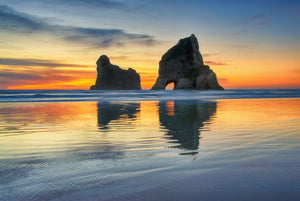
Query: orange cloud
73	84
46	79
213	63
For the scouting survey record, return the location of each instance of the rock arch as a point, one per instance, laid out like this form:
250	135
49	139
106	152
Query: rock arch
183	65
170	84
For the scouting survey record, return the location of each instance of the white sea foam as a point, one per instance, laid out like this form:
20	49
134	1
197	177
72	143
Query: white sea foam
140	95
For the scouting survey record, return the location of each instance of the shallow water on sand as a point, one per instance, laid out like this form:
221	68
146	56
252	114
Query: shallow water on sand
243	149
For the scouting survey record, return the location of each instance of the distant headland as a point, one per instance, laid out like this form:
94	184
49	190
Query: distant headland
182	65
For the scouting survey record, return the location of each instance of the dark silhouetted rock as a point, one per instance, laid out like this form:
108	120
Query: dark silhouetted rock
183	65
112	77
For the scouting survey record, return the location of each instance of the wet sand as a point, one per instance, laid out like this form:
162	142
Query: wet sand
244	149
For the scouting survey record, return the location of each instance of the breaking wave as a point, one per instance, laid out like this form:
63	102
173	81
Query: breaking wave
140	95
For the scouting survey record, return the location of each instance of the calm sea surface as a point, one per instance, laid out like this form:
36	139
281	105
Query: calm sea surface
82	145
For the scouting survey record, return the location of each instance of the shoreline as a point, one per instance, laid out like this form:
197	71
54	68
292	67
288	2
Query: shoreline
140	95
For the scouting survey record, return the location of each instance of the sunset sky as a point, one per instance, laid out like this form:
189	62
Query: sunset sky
54	44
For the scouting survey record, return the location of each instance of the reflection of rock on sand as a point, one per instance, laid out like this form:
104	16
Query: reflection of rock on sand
183	119
111	111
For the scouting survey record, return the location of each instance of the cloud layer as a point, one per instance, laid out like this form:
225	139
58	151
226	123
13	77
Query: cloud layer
213	63
15	78
18	72
14	21
259	19
17	22
35	62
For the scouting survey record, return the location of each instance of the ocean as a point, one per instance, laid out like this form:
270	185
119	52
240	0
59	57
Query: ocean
150	145
140	95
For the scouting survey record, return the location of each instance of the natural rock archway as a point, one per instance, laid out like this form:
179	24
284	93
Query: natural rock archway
183	65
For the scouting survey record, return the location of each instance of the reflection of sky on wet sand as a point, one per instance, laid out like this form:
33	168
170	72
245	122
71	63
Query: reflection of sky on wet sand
46	146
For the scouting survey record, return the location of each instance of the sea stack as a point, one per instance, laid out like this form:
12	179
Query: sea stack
112	77
183	65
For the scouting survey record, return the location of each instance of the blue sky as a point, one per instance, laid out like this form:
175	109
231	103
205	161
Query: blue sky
159	18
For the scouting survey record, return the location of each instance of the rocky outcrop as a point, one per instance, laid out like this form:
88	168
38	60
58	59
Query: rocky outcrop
112	77
183	65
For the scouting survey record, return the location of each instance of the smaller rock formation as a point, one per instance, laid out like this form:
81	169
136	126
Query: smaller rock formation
183	65
112	77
